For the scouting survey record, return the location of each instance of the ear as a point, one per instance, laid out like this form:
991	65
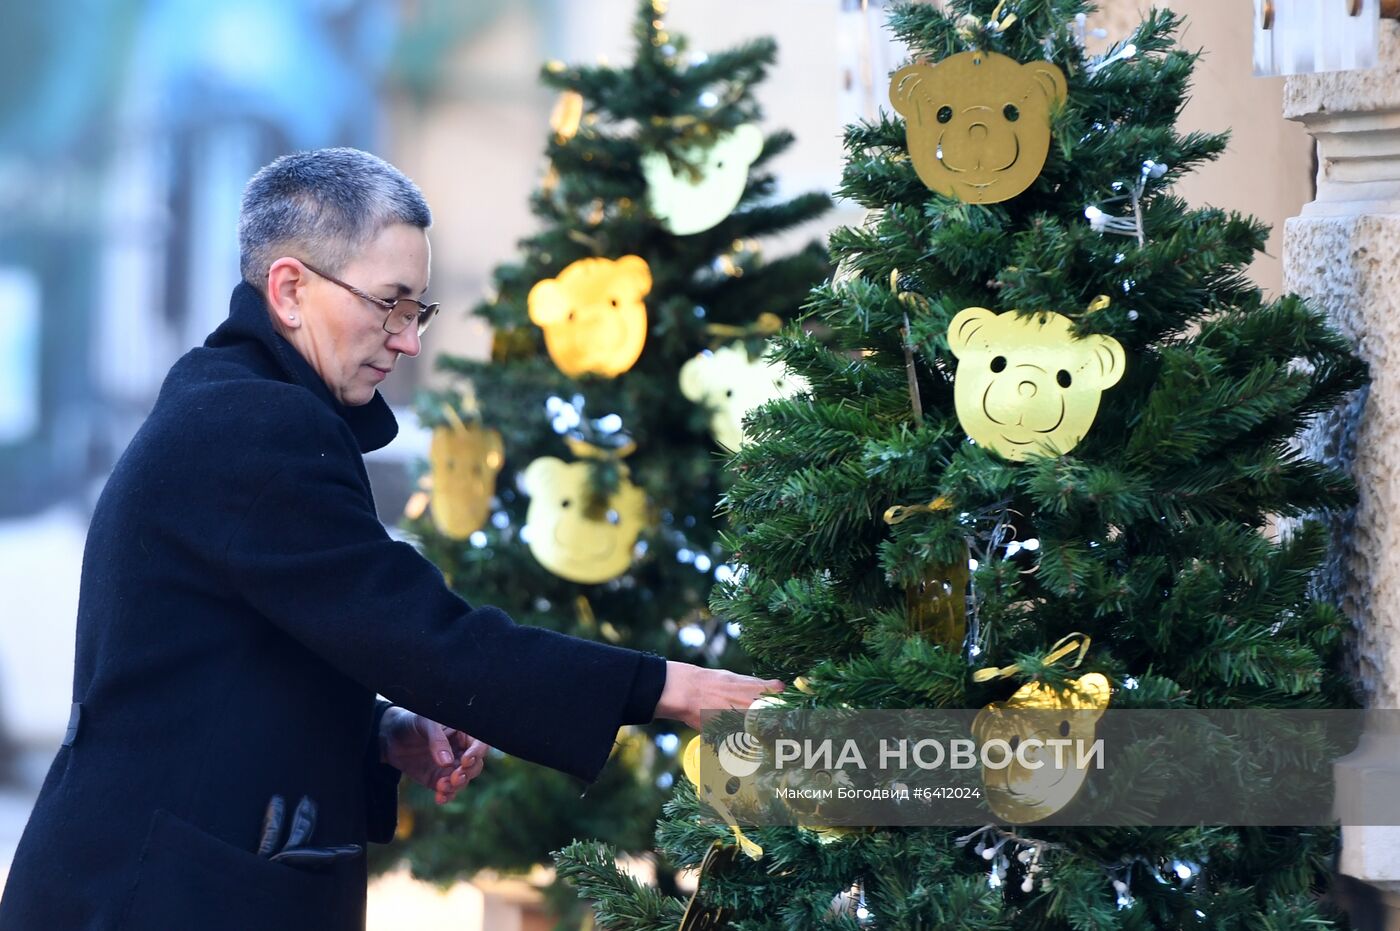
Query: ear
540	474
1106	360
285	281
1049	79
656	168
965	326
547	302
747	141
910	87
1095	691
693	378
634	266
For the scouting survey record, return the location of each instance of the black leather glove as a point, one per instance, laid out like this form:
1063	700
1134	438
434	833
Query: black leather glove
295	852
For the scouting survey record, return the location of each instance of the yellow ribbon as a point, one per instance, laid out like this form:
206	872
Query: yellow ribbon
586	450
1098	304
899	513
907	298
766	325
969	25
453	419
1063	647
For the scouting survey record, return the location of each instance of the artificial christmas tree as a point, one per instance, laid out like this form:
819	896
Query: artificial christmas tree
1037	363
597	458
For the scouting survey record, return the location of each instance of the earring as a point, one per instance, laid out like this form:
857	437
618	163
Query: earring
292	317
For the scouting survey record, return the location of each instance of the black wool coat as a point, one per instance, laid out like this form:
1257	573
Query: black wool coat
240	606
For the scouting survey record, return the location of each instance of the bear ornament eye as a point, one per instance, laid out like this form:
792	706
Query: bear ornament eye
945	114
1062	378
999	364
1011	113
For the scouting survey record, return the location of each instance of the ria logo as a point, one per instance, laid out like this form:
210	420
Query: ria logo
740	754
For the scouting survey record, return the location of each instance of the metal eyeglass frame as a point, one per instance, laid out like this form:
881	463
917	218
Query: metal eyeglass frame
426	312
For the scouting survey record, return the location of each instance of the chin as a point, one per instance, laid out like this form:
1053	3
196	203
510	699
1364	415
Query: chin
357	397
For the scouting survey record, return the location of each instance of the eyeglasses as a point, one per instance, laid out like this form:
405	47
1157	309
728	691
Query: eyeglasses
402	313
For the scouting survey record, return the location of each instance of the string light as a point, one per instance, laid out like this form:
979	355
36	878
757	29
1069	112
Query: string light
1101	222
1126	53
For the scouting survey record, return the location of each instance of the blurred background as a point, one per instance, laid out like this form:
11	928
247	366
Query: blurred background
129	127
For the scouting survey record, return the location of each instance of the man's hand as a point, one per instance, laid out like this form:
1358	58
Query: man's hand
439	758
689	689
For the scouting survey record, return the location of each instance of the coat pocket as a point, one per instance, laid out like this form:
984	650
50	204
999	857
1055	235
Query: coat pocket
189	878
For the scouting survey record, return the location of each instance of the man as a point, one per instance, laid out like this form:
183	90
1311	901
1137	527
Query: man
241	604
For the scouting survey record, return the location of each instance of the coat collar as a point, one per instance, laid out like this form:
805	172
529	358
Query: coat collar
250	321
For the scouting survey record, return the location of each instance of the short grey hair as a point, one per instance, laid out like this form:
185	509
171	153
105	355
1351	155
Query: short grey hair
324	206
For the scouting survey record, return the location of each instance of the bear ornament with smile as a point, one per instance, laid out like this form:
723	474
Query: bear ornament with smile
978	123
1025	385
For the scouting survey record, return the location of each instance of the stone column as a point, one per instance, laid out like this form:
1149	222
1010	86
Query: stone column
1343	253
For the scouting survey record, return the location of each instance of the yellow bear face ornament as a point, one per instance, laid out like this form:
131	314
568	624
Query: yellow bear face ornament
1022	794
978	123
465	460
593	316
1025	386
568	537
689	203
733	794
731	384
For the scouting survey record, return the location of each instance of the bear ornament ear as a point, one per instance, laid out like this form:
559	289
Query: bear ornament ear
548	302
695	378
910	87
965	326
1104	361
747	142
635	273
1049	79
541	474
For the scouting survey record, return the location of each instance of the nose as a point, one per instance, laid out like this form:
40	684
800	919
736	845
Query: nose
977	132
406	342
1026	389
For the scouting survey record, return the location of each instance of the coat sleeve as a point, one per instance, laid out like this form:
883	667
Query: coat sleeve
310	555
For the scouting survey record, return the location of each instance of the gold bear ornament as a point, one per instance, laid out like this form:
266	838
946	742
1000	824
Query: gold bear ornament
574	538
687	203
465	460
731	384
978	123
1019	793
593	316
1025	386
